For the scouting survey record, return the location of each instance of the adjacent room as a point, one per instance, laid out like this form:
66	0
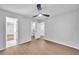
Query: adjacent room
39	29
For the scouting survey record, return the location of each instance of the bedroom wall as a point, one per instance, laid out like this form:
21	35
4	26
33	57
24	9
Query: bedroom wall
23	27
63	29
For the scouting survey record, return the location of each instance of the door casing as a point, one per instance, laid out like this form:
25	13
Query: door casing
13	21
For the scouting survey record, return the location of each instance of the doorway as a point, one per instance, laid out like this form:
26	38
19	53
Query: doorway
11	31
38	29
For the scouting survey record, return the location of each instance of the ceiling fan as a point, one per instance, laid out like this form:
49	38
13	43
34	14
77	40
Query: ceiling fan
39	8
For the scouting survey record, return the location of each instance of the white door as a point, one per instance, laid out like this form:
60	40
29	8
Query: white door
11	32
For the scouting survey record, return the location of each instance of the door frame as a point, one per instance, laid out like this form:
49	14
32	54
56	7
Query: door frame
14	21
34	29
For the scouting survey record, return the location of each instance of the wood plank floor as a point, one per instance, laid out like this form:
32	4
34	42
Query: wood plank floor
40	47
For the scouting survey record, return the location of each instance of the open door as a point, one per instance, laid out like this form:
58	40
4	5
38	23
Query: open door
11	31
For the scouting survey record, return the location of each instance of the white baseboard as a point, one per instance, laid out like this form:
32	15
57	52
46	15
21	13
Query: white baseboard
63	44
25	41
2	49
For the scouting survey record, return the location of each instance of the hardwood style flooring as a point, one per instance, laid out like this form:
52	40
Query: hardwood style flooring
40	47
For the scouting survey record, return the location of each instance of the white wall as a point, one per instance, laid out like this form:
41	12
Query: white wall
78	27
63	29
24	30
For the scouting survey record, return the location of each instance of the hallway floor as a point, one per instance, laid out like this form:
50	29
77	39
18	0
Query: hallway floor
40	47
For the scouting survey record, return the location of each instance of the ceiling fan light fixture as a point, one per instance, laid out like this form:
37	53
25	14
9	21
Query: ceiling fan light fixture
40	15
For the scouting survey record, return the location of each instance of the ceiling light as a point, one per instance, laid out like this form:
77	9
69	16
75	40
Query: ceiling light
40	15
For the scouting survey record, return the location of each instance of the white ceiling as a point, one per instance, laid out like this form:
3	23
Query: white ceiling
31	10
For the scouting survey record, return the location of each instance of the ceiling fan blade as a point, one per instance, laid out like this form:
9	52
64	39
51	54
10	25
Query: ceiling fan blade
46	15
39	7
35	16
